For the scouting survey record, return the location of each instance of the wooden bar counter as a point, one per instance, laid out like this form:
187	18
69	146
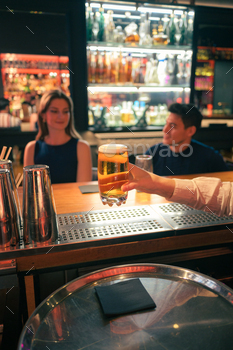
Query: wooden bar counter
69	199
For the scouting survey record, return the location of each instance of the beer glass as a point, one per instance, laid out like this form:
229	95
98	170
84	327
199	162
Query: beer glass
113	172
144	161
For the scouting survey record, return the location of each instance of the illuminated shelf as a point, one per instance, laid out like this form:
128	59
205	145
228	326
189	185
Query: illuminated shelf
136	48
135	88
33	70
150	8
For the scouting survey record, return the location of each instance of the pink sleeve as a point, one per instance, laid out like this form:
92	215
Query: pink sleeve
205	193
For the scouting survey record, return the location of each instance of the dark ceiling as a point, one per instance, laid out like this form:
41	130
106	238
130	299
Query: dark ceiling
215	3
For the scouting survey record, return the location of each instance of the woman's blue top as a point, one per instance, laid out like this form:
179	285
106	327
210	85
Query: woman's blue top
61	159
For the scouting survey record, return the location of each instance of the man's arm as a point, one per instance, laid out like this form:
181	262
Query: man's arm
205	193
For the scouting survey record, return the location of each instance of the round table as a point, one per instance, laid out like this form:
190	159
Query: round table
193	311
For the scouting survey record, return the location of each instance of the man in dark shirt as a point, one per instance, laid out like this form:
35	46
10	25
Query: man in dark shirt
178	154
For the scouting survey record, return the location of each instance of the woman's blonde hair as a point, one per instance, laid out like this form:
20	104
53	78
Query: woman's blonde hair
45	102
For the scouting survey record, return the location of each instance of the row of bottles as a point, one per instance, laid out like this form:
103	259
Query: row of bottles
206	70
203	83
16	84
35	64
116	67
173	30
30	64
129	113
214	54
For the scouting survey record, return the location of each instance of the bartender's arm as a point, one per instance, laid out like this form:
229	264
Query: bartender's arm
204	193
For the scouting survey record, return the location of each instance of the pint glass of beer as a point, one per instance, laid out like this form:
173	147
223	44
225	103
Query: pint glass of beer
113	171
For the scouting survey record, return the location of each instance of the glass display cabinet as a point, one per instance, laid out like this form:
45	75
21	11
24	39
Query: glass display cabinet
139	62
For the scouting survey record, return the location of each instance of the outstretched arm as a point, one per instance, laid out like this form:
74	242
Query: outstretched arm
204	193
144	181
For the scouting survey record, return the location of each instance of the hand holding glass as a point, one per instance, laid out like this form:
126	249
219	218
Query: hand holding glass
113	172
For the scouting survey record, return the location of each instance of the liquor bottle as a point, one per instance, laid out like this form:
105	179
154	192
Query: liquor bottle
142	71
129	68
95	26
106	68
110	26
190	32
97	67
101	25
93	67
136	70
183	30
121	68
154	34
174	78
89	24
147	39
131	33
88	65
114	68
159	38
165	20
101	68
125	116
172	30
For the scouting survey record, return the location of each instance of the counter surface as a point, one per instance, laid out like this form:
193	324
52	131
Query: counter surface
69	199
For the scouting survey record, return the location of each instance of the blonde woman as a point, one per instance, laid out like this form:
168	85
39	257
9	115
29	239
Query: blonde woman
57	143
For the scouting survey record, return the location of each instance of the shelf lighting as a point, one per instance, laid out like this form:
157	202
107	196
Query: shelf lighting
138	50
119	7
136	17
140	9
160	89
120	89
178	12
107	89
93	5
156	10
138	55
123	16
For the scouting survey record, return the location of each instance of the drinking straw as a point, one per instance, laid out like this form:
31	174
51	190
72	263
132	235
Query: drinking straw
20	180
17	178
8	153
4	148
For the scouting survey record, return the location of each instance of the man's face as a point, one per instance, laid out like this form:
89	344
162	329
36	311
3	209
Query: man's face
174	132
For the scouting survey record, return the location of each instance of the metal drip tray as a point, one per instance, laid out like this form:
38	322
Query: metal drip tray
180	216
98	216
110	223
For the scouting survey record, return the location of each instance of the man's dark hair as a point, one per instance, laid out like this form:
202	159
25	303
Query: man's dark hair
189	114
4	103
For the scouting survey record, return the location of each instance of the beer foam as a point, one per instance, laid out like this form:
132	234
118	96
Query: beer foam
113	148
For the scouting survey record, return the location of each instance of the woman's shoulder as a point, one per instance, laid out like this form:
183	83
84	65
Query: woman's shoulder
83	145
29	153
30	145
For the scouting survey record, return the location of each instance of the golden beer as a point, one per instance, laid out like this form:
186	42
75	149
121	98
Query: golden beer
113	171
